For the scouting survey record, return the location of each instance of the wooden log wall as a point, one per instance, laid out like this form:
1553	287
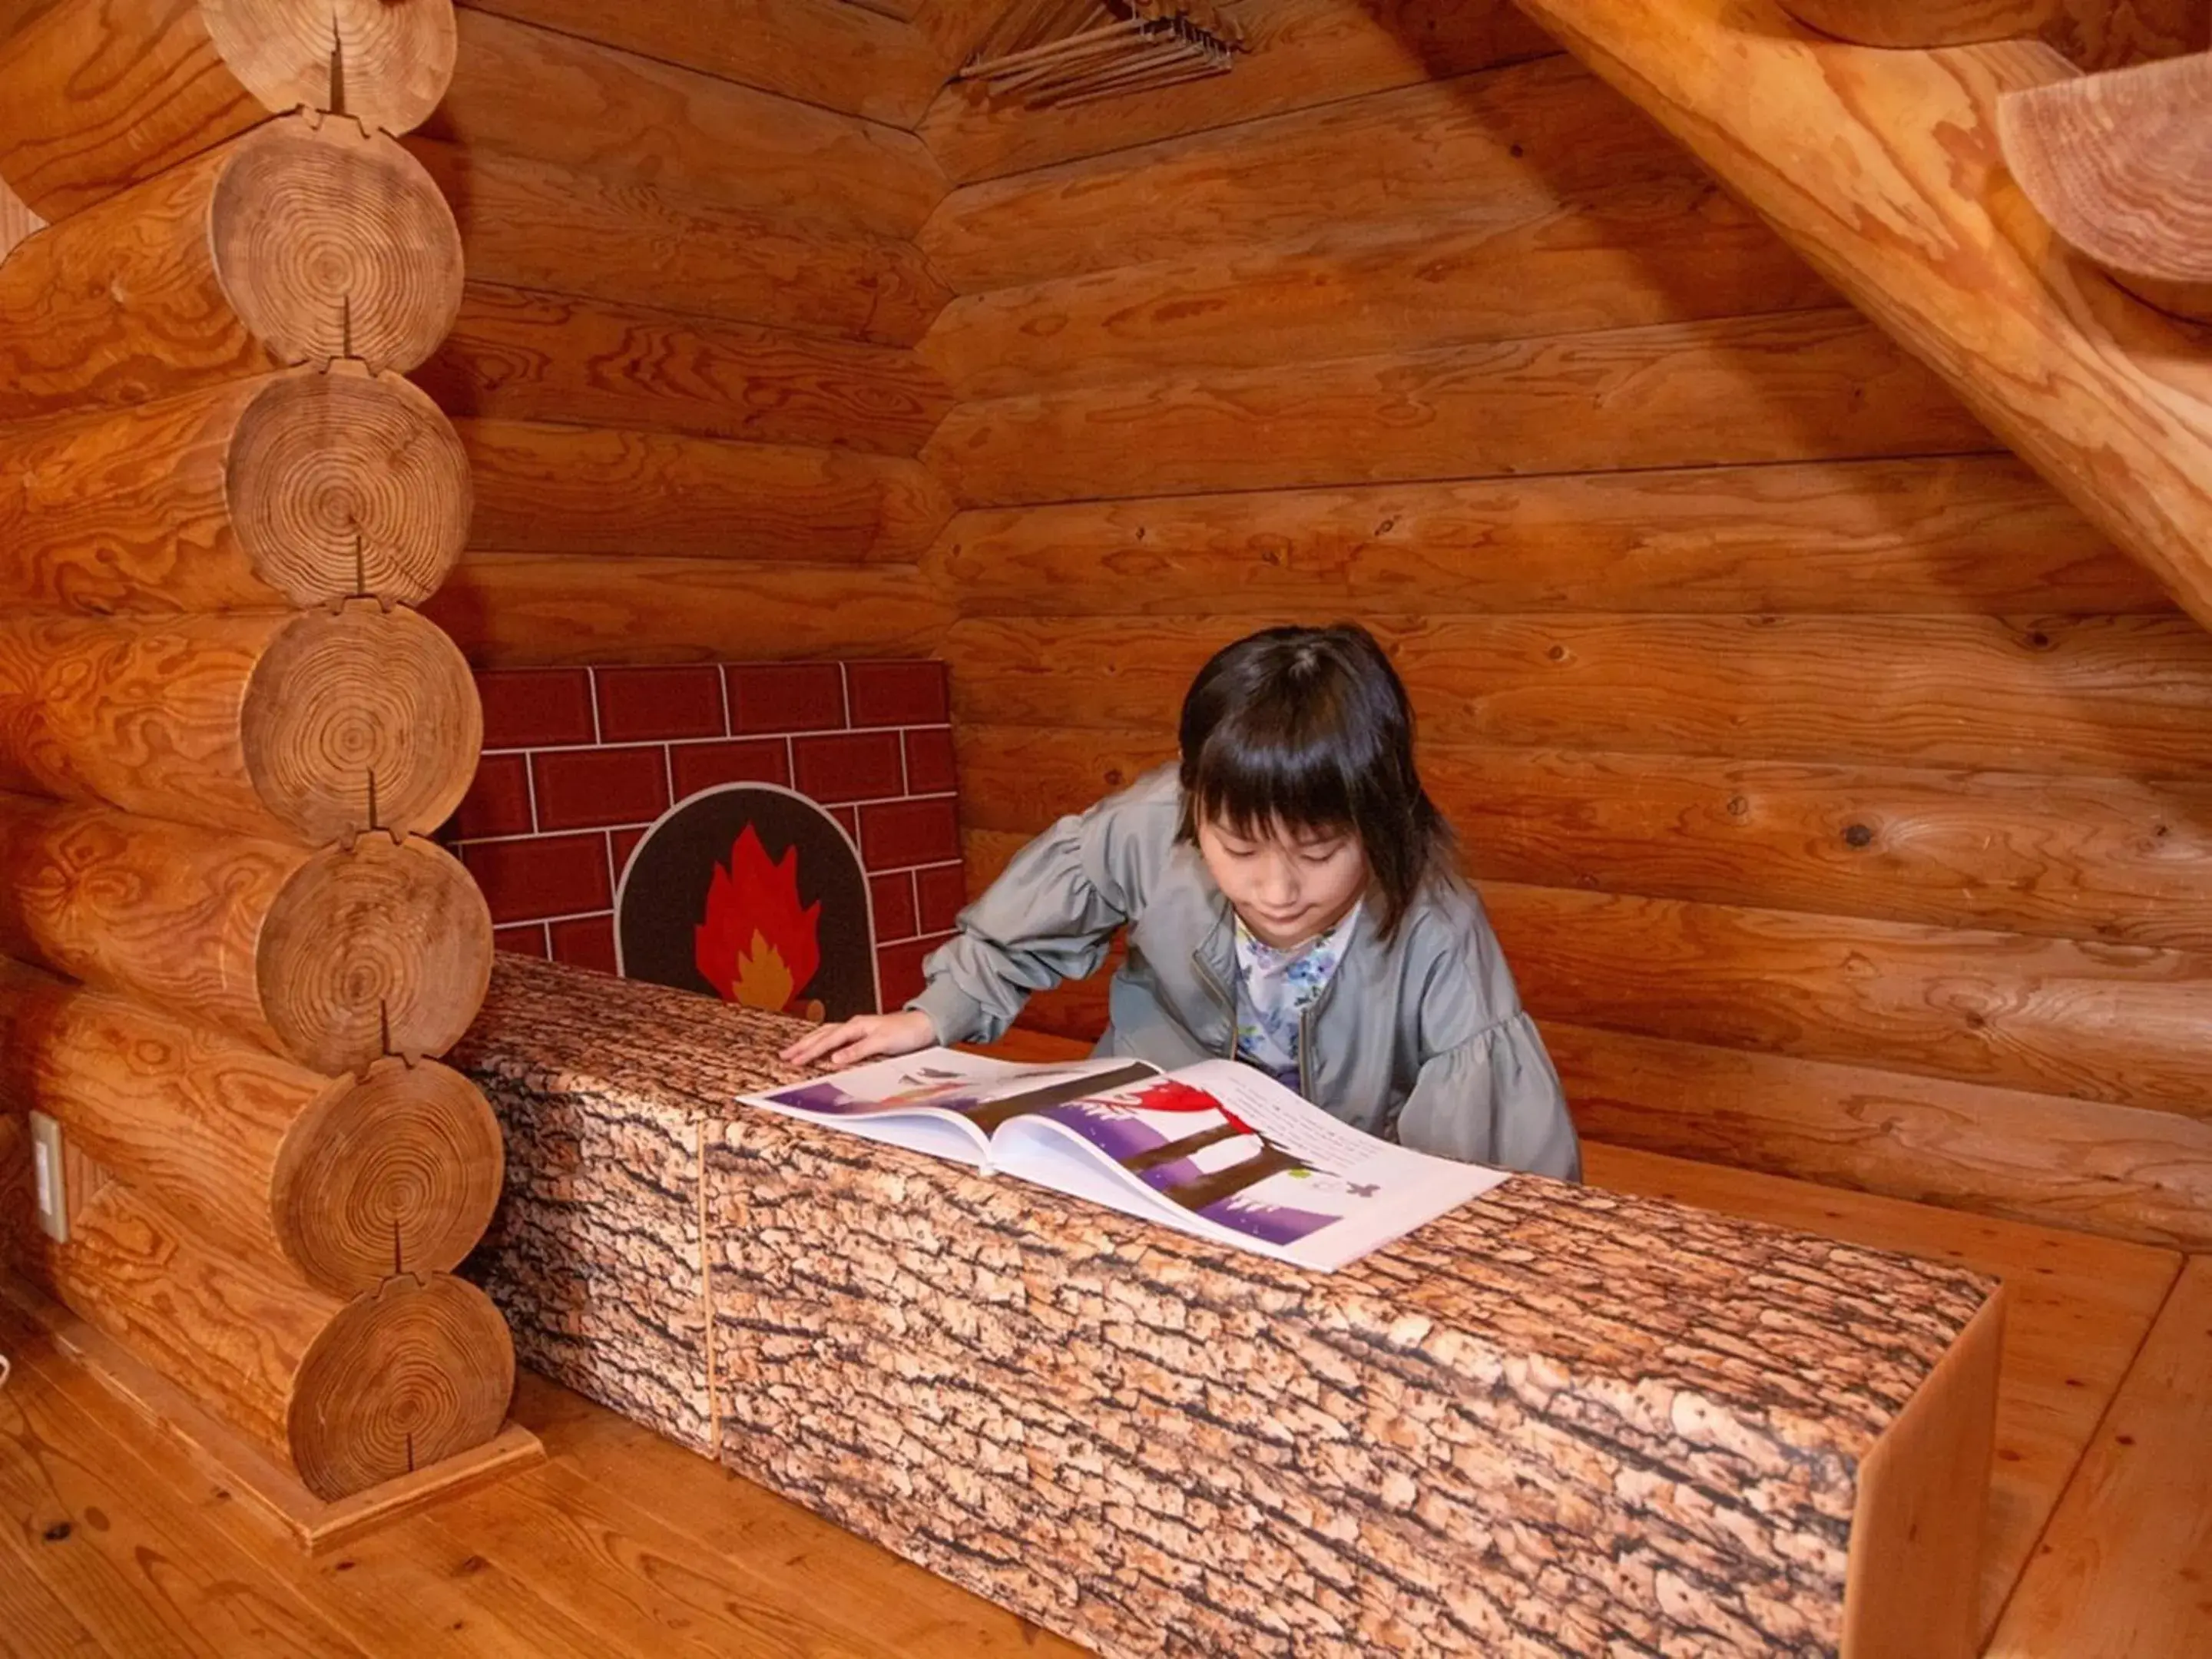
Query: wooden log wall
684	368
2108	399
1838	793
228	951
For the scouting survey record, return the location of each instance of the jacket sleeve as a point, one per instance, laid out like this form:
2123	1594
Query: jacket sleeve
1485	1091
1494	1099
1050	916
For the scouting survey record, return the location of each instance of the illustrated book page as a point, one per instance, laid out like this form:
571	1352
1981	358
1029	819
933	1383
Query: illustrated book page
1216	1149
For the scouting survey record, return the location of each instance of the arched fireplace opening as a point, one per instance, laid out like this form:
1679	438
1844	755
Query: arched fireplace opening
754	893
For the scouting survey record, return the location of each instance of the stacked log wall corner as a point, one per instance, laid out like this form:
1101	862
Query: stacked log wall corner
97	95
202	274
345	1393
311	726
224	730
347	1180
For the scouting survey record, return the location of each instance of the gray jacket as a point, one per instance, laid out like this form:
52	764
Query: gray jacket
1422	1040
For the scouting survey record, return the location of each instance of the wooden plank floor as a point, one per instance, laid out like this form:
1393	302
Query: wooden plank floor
623	1543
619	1543
2080	1310
2124	1569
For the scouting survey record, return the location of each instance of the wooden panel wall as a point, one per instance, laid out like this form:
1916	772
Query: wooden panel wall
884	61
1841	799
684	368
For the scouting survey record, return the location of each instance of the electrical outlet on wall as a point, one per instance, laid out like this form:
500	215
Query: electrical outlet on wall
53	1195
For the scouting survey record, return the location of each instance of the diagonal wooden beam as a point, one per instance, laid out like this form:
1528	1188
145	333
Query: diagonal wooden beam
2094	35
1883	168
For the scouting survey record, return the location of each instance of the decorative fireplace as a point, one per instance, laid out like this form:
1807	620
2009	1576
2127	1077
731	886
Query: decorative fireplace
582	763
751	893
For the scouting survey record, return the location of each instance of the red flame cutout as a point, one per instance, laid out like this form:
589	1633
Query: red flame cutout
1169	1094
756	947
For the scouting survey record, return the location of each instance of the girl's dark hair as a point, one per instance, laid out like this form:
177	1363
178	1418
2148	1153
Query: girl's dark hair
1310	727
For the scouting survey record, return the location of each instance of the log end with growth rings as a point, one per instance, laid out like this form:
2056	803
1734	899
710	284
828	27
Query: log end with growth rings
416	1370
381	948
386	62
346	483
330	242
397	1171
2120	165
361	719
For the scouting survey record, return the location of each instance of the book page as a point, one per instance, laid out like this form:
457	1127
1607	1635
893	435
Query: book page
1288	1120
939	1101
1220	1149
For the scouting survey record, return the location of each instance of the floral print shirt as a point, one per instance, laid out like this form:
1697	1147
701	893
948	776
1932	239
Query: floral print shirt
1274	988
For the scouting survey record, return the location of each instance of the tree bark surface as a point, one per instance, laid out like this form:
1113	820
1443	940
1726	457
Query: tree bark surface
1557	1418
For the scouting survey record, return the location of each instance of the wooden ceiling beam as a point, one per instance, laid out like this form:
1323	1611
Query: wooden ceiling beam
2094	35
1883	168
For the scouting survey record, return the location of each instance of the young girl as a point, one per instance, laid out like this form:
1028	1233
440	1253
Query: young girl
1289	898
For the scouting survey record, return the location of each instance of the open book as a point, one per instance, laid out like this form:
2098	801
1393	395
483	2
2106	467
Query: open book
1217	1149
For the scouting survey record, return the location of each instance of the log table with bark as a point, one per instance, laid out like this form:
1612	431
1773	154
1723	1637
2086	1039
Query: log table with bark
1556	1420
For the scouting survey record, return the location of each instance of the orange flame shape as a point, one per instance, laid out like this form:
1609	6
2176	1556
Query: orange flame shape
756	947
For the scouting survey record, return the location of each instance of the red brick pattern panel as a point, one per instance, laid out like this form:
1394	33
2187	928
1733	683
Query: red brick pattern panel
579	763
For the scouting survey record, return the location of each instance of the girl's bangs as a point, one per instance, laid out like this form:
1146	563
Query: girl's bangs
1249	786
1311	729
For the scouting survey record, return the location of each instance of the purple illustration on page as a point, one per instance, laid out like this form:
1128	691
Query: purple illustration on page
1216	1149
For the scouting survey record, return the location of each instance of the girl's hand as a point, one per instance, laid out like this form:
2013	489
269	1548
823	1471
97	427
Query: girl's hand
864	1036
